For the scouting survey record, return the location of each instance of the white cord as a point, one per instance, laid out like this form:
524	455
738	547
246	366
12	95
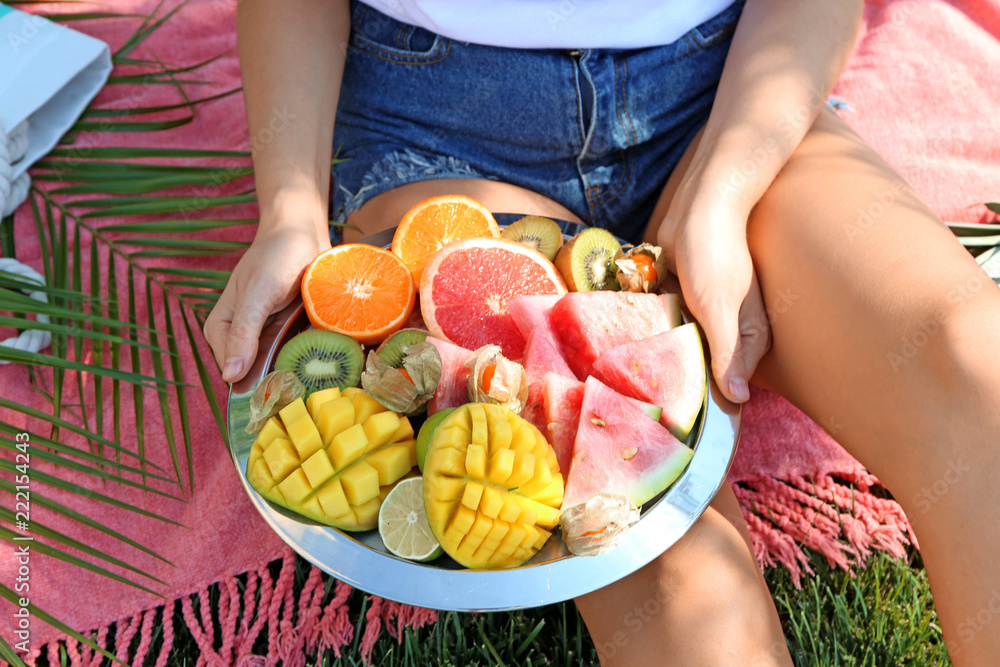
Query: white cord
13	146
30	340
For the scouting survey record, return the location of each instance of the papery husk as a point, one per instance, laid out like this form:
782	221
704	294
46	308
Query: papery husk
593	527
509	386
389	386
274	392
630	278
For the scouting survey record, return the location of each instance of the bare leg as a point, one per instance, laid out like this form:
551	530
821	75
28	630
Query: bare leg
886	332
712	606
387	209
702	603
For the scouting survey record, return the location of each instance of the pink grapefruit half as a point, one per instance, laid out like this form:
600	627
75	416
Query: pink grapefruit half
465	287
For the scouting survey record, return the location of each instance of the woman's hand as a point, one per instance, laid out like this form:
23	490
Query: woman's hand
265	280
704	237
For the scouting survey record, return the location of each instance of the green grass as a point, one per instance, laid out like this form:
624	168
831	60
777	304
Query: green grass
881	617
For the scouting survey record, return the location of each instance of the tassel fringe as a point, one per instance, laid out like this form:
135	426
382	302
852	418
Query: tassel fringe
298	624
840	519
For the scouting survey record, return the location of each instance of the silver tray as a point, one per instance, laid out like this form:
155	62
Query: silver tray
553	575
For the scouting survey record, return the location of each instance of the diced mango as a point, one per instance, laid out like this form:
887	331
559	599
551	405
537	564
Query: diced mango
316	400
295	487
305	437
366	514
348	446
272	429
379	429
487	486
293	412
475	461
333	457
473	493
360	482
404	432
281	458
501	466
390	462
331	497
318	468
335	417
491	503
364	407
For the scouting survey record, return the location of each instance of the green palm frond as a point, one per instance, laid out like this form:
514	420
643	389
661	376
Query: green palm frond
120	330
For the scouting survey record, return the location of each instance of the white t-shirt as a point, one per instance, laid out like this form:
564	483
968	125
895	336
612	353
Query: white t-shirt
555	24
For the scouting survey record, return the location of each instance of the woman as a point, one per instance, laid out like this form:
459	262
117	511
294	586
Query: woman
619	114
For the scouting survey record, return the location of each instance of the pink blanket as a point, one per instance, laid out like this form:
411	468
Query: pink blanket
922	89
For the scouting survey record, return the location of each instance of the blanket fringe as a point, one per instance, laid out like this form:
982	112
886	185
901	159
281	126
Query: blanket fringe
298	624
839	518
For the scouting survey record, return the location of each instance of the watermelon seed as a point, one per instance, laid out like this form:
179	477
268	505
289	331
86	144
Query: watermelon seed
597	421
629	452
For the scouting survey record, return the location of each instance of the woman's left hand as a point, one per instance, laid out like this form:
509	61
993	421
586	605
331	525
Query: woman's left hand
704	238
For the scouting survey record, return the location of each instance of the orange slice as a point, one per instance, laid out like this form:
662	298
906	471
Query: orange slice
358	290
435	222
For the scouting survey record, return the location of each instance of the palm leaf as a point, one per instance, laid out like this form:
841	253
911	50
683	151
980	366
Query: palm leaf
116	358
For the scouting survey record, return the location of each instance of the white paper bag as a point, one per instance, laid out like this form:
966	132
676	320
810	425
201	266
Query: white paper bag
48	75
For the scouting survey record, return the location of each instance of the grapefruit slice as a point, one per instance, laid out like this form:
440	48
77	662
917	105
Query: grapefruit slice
466	285
667	370
619	450
588	323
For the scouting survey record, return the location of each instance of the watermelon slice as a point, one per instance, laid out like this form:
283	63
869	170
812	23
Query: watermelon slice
618	450
530	312
541	356
667	370
453	389
588	323
562	398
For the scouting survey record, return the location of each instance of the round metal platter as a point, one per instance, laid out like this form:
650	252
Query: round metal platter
553	575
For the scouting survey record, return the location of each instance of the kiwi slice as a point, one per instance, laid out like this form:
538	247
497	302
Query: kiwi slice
322	359
391	349
538	233
587	262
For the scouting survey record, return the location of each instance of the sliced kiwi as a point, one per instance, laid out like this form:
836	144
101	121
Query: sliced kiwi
322	359
587	261
391	348
538	233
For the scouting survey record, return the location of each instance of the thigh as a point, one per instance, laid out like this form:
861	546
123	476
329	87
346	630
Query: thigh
386	210
873	304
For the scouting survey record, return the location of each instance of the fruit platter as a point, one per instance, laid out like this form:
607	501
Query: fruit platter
481	453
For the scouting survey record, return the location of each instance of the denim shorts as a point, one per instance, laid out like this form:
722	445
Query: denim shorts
597	130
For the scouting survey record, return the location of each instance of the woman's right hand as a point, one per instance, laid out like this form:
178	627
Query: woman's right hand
265	280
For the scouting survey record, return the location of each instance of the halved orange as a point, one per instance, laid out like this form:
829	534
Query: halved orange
359	290
435	222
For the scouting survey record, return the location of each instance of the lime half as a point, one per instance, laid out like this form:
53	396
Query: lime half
403	525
